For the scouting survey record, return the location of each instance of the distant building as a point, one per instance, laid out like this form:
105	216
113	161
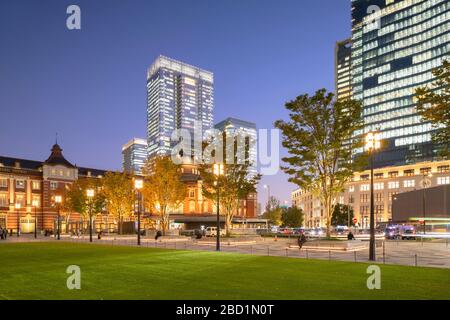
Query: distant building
178	96
342	69
247	130
395	46
134	155
388	182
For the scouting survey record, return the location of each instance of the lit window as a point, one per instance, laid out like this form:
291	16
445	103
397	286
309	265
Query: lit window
364	187
36	185
443	180
53	185
3	200
409	183
378	186
351	189
20	184
3	183
393	184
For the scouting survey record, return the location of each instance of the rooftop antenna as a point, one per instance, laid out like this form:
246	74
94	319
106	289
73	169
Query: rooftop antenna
56	138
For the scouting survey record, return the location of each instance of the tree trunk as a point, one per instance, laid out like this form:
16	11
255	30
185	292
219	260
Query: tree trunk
120	223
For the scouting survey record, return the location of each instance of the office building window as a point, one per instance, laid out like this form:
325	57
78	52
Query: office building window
3	200
351	188
53	185
36	185
20	199
443	180
378	186
364	177
393	184
364	197
393	174
20	184
378	197
378	175
391	195
408	173
409	183
36	200
425	171
443	169
364	187
3	183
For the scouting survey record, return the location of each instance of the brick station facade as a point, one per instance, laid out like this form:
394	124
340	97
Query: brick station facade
28	189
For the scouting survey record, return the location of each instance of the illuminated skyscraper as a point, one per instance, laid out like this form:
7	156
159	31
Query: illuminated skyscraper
247	130
342	69
178	95
134	155
395	46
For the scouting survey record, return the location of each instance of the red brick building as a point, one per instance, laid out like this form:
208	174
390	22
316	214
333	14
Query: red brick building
28	189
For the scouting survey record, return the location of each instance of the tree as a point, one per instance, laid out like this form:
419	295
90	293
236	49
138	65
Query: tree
341	215
273	211
292	217
76	200
321	139
163	189
119	193
433	104
233	186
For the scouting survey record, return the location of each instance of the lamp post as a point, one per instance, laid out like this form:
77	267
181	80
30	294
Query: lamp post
218	171
18	206
35	204
425	184
138	185
372	144
90	193
58	201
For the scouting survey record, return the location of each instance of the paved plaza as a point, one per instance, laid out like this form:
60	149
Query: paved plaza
435	253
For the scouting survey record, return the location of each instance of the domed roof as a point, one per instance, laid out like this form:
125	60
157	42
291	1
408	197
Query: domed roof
57	158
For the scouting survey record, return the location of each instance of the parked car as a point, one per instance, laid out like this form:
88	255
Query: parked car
341	229
318	232
212	231
298	230
403	232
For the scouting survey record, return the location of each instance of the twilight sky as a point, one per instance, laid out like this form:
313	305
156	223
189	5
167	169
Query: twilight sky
89	85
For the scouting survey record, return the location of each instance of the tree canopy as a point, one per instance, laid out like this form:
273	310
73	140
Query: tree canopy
321	137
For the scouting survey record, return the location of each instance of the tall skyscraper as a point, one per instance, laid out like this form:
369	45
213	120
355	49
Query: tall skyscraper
247	130
178	96
134	155
342	69
395	46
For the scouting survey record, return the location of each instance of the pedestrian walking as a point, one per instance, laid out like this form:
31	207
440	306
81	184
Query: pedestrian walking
301	240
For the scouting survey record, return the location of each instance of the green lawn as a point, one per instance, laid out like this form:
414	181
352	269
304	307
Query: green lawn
38	271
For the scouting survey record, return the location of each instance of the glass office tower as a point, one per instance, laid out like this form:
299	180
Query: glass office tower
178	95
395	46
247	130
134	155
342	69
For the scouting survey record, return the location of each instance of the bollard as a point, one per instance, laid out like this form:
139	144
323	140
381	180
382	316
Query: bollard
329	255
306	253
287	253
415	259
421	240
384	252
268	251
251	249
446	241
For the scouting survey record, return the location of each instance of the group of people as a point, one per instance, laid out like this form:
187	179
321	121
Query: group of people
302	238
3	233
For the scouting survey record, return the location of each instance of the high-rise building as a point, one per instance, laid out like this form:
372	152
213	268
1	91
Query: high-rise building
342	69
134	155
179	96
247	130
395	46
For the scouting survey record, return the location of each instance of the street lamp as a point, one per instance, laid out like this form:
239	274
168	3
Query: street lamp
138	185
58	201
425	184
35	204
90	193
218	171
372	144
18	206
